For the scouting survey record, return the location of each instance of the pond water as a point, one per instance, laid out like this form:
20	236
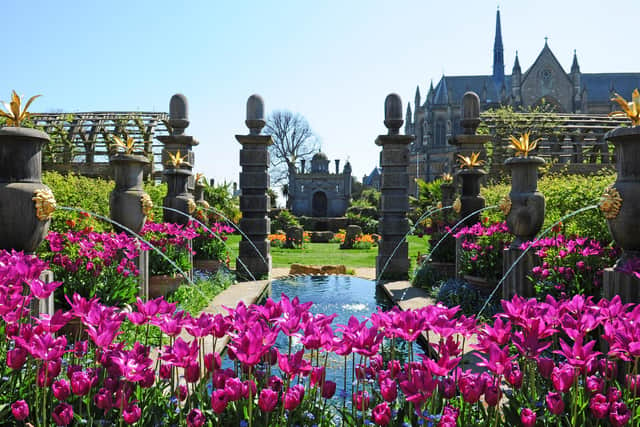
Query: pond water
344	295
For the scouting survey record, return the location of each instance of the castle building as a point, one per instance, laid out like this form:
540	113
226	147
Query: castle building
319	193
437	117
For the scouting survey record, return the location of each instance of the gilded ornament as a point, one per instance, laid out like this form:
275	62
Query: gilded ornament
191	206
610	203
457	205
147	204
45	204
505	205
204	204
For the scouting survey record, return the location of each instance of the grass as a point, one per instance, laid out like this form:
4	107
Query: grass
329	254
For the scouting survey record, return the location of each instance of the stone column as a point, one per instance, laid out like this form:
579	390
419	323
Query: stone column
254	201
178	141
394	185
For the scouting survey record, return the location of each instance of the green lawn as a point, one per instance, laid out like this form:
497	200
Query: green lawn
328	254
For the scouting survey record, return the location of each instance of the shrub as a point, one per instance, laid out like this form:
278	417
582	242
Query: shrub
283	220
458	293
194	298
564	194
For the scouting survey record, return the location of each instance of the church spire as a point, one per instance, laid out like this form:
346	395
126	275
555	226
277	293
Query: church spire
417	98
516	65
409	116
498	54
575	68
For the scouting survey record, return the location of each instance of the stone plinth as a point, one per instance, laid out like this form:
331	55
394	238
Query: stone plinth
254	258
517	282
619	283
295	237
392	261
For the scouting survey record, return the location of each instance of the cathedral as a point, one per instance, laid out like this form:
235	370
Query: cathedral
437	117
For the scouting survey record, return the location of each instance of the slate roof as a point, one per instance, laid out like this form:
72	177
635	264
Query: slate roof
599	85
368	180
458	85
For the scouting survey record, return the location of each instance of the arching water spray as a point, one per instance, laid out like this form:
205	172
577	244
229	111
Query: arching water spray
501	281
240	231
415	225
173	264
209	230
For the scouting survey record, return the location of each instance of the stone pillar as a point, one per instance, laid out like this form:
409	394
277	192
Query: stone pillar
254	201
517	283
337	166
394	185
179	179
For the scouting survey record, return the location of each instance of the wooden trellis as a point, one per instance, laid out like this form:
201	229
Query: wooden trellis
80	141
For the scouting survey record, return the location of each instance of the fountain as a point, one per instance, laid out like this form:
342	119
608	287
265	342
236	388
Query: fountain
621	206
524	208
27	204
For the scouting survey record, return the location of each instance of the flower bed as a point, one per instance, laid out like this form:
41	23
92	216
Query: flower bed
482	246
551	362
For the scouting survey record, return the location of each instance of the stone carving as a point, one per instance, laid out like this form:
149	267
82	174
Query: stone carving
45	204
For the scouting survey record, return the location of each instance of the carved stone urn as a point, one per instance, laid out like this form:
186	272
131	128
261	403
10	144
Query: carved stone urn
620	202
470	199
128	203
448	193
178	196
26	204
525	206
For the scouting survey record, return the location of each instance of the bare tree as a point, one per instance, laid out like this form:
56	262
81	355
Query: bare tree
293	140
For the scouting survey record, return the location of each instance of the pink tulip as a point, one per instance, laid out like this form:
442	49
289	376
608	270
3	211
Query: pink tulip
555	403
619	414
528	417
361	400
545	367
196	418
388	389
62	414
562	378
381	414
599	406
219	401
61	389
131	413
492	395
328	389
20	410
293	397
16	358
80	383
268	400
103	399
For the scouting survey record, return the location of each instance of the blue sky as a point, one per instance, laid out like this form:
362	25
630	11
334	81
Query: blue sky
332	61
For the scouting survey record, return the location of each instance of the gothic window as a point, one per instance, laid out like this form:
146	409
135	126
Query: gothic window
441	131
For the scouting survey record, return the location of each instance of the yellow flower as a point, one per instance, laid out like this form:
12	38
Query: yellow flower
522	145
470	161
45	204
14	113
629	109
127	146
610	203
505	205
457	205
176	160
447	178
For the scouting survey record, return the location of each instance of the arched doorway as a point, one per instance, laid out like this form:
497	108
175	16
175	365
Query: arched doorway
319	204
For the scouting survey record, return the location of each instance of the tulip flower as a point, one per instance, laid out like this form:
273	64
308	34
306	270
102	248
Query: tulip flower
619	414
381	414
599	406
388	389
268	400
80	383
196	418
20	410
328	389
61	389
219	401
293	397
131	413
555	403
527	417
62	414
